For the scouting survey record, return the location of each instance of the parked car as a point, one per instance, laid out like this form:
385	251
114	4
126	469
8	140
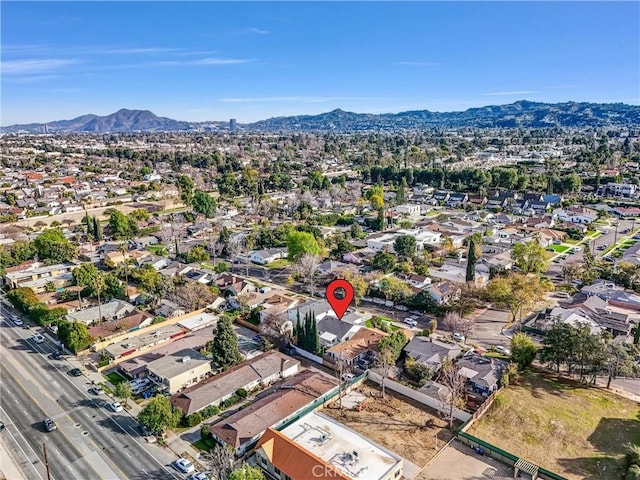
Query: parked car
57	355
2	425
144	431
17	321
96	390
49	425
183	465
458	337
401	308
115	406
198	476
26	326
502	350
347	377
411	321
74	372
601	247
37	338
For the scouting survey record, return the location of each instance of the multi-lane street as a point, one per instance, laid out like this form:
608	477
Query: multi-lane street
91	442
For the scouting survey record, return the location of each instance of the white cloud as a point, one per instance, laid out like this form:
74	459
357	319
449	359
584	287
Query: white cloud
26	67
255	31
517	92
298	99
205	61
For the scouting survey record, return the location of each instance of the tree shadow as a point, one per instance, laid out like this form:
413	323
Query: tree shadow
156	474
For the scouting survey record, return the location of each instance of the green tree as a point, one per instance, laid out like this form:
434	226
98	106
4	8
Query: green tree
359	284
52	247
123	392
152	282
159	415
185	184
197	254
405	246
376	202
204	203
529	257
394	289
383	261
221	267
97	230
516	291
224	348
74	335
471	262
246	472
401	193
299	243
122	228
523	350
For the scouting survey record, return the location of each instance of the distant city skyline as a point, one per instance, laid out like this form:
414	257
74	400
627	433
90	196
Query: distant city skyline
213	61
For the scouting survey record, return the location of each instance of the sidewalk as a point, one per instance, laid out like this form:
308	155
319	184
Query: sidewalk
9	468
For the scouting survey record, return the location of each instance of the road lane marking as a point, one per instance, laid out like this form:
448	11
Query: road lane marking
20	446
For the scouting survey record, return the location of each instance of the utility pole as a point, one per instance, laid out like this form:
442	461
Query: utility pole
46	461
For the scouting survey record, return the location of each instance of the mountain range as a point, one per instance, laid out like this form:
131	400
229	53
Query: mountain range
521	114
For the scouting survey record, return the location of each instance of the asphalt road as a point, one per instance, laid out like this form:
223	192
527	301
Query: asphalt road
91	442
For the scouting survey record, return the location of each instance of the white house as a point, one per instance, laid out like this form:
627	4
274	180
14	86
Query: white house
408	209
264	257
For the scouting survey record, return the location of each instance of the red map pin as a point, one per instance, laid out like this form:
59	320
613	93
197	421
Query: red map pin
339	304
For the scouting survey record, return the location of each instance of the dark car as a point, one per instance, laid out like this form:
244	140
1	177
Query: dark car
49	425
144	431
26	326
75	372
2	426
56	355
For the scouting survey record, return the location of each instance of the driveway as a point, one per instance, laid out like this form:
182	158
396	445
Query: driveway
460	462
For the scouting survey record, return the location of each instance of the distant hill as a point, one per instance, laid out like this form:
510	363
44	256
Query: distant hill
521	114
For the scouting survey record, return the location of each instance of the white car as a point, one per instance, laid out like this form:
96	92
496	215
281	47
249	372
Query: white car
184	466
17	321
411	321
503	350
198	476
347	377
37	338
115	406
458	337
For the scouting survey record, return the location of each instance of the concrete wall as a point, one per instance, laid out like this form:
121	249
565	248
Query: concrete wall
310	356
417	396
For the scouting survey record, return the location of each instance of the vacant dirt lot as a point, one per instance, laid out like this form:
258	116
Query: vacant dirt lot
571	430
402	425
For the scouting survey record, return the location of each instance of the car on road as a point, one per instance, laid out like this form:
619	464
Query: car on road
115	406
458	337
144	431
198	476
626	230
2	425
411	321
74	372
17	321
601	247
37	338
49	425
26	326
183	465
57	355
502	350
401	308
96	390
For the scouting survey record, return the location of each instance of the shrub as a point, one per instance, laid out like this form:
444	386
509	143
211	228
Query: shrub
194	419
241	392
210	411
204	432
633	473
232	400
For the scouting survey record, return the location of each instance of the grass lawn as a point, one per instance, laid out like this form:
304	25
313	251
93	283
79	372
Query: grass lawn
280	263
155	248
205	445
572	430
115	378
573	242
559	248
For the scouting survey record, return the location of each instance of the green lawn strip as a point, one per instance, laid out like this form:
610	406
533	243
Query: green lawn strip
204	445
559	248
280	263
155	248
115	378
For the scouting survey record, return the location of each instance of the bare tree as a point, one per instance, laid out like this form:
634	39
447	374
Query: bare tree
233	248
220	460
455	383
193	295
385	360
276	326
452	320
306	268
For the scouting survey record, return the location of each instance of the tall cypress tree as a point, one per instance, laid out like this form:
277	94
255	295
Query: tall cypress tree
471	261
97	229
88	223
314	338
402	191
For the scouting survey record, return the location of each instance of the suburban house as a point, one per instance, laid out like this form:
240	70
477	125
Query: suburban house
230	285
242	430
363	343
110	311
412	211
431	353
319	308
258	371
264	257
36	275
442	292
179	370
576	214
333	331
483	373
317	446
133	321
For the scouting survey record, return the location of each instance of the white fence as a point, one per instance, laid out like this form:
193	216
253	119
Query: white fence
417	396
308	355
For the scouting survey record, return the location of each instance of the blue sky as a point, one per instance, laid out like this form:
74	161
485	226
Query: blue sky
214	61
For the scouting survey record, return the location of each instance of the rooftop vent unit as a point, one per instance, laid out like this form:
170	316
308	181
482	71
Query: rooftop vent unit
185	359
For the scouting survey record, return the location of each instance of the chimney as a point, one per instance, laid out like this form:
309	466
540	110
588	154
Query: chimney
282	362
